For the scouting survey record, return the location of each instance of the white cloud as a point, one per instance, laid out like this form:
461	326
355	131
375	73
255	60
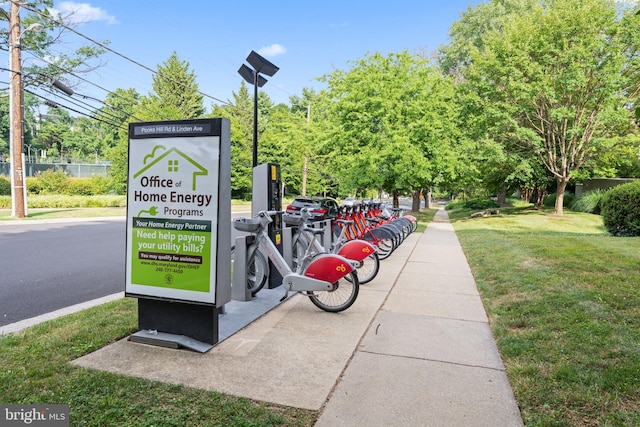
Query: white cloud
81	13
273	50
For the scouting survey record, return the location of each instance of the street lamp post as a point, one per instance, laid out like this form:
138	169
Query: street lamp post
305	167
260	66
16	116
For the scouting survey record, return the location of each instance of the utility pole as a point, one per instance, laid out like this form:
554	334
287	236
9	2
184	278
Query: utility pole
305	168
18	205
304	176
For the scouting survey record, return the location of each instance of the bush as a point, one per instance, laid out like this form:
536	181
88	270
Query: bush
53	182
34	185
550	200
480	204
5	186
621	210
474	204
57	201
79	187
100	185
589	202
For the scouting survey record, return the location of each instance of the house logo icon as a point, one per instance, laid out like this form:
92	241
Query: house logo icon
172	161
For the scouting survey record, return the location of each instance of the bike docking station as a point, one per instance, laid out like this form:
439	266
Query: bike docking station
178	264
290	229
266	196
329	280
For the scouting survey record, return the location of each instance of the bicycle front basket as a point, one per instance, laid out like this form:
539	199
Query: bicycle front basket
245	224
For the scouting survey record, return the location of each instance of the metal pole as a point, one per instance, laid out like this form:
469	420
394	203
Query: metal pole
15	115
255	118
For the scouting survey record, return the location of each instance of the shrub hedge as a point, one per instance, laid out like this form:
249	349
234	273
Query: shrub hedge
589	202
476	204
5	186
58	182
621	210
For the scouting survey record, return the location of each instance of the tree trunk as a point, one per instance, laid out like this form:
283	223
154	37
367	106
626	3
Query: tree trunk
502	196
396	202
428	200
415	200
562	185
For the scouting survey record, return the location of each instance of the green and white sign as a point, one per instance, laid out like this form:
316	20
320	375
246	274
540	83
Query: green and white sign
173	210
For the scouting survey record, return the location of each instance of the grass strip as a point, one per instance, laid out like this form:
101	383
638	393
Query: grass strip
35	368
563	298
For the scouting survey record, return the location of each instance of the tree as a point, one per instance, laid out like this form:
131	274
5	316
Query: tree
495	164
4	125
395	121
284	142
51	63
175	93
54	132
555	78
239	111
118	110
467	34
175	96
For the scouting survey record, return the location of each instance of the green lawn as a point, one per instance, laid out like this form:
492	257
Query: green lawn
563	298
34	368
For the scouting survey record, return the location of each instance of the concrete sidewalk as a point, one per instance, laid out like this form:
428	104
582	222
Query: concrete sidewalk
428	358
414	350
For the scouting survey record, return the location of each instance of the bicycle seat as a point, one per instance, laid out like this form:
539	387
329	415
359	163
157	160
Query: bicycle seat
246	224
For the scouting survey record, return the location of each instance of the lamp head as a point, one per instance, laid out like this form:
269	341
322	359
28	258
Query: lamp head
261	65
36	27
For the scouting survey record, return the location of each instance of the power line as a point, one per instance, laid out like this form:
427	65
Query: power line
105	47
88	106
53	104
84	105
96	85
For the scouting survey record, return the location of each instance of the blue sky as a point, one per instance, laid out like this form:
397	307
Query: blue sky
306	39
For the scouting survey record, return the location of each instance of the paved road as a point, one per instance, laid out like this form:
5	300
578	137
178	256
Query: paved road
48	266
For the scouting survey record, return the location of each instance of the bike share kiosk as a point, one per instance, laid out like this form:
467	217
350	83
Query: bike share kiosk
267	196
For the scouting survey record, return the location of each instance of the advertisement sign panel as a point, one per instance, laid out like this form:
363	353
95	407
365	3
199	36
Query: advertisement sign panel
173	210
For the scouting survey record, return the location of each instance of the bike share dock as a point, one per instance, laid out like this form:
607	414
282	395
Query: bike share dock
415	349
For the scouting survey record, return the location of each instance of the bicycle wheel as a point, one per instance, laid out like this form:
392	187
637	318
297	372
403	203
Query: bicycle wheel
385	241
257	270
341	296
367	268
298	250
